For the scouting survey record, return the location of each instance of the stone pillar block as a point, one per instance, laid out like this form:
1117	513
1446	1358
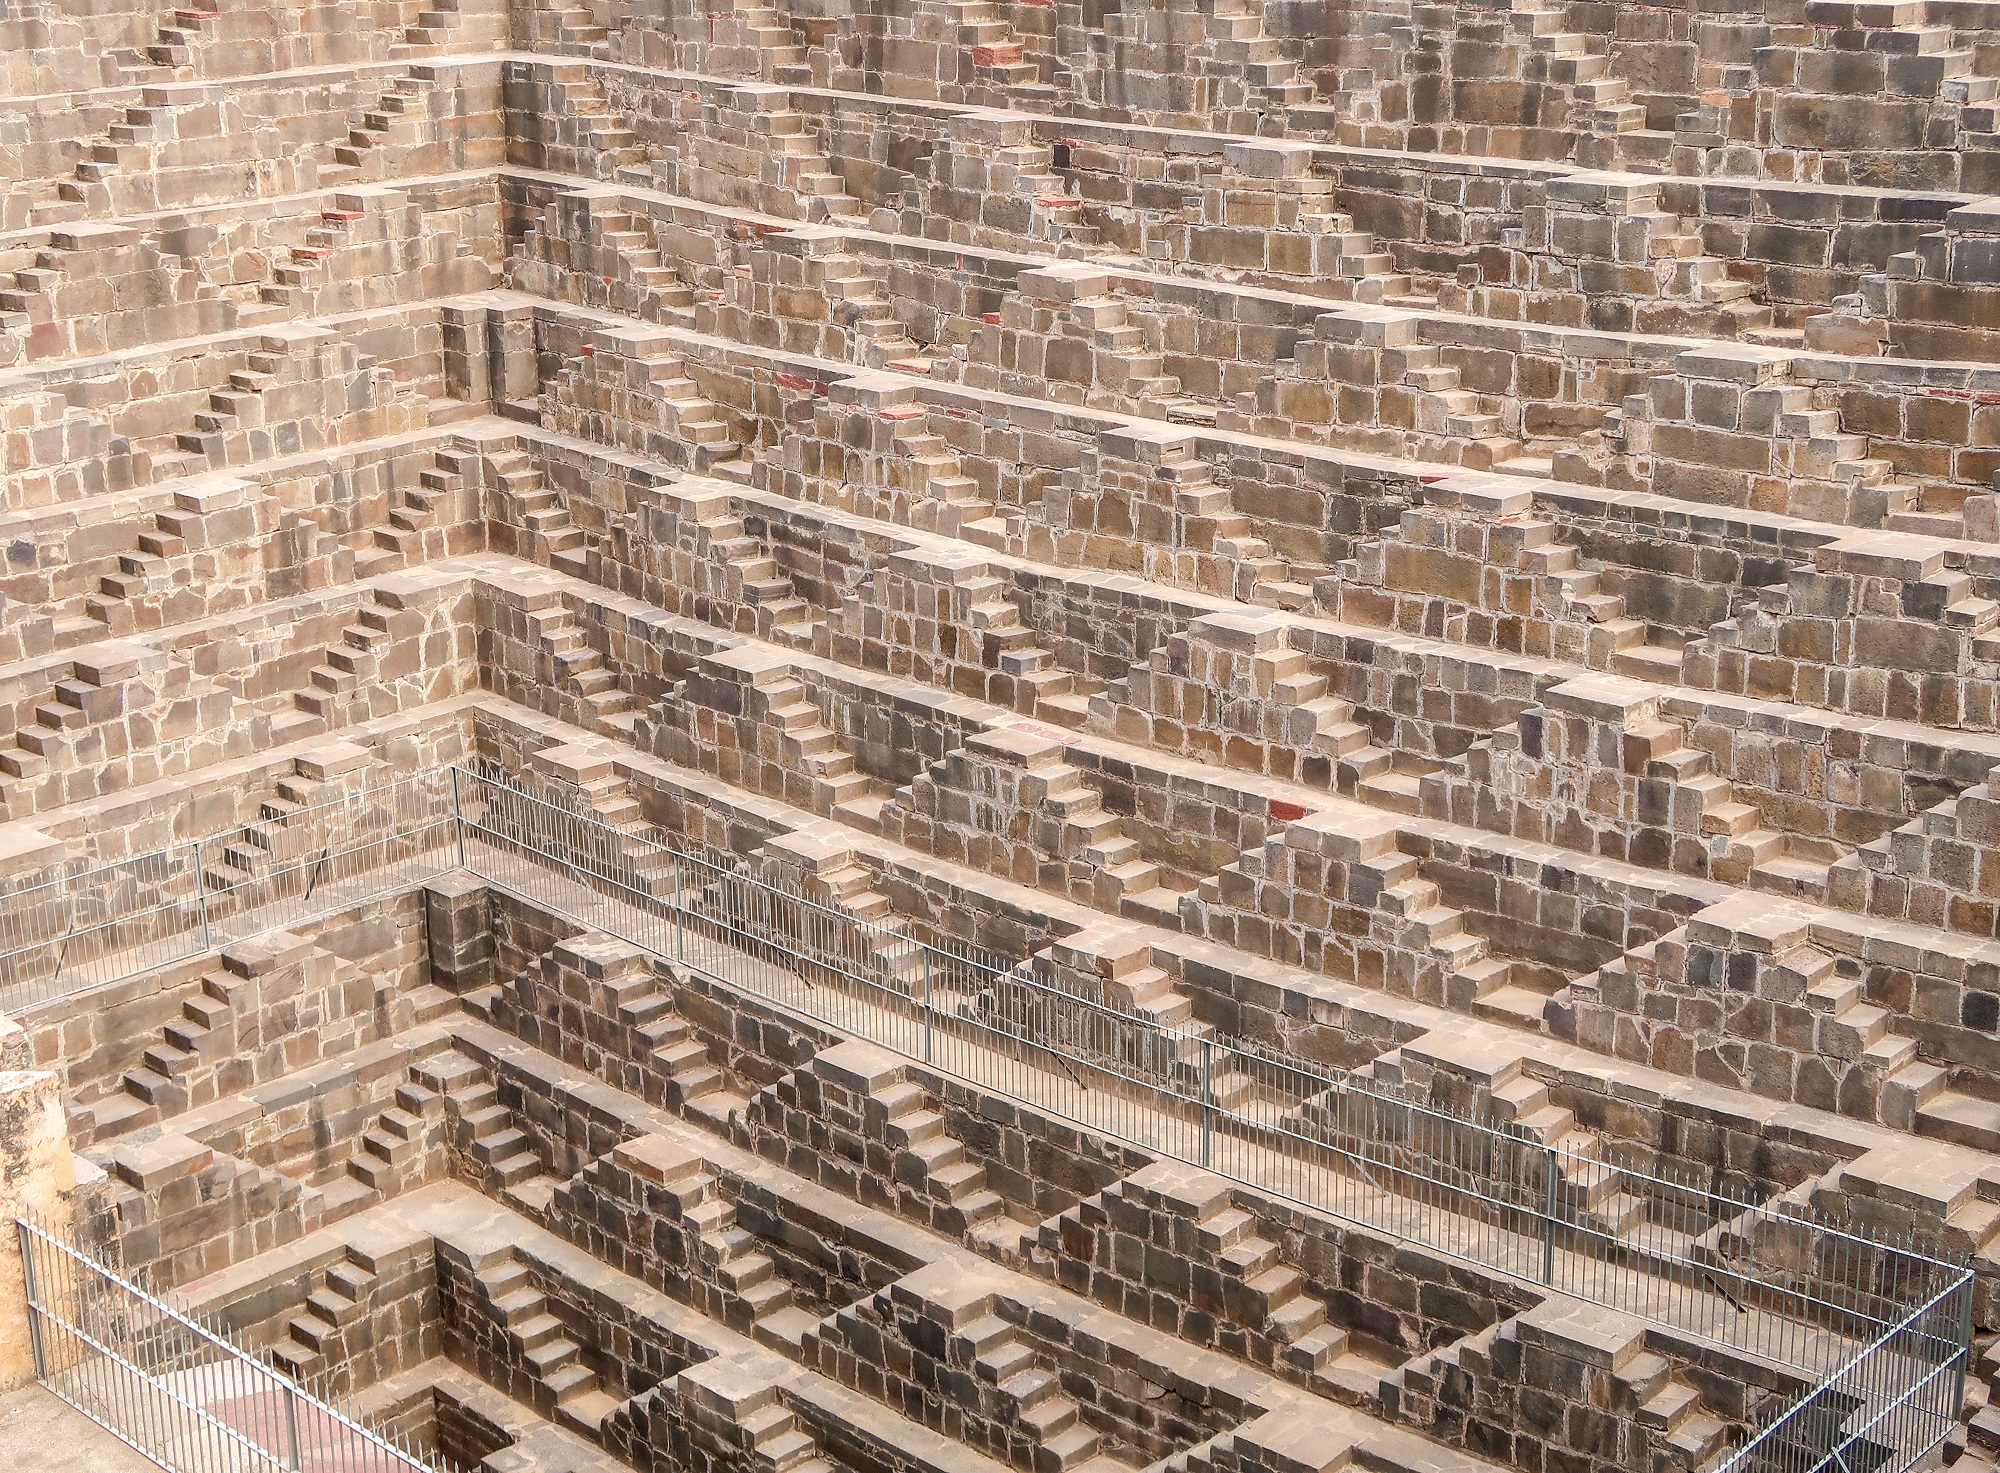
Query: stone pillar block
458	933
37	1180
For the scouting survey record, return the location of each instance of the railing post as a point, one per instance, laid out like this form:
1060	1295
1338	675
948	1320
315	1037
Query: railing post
201	896
1207	1097
1549	1222
680	915
458	817
927	1004
1965	1288
31	1291
292	1427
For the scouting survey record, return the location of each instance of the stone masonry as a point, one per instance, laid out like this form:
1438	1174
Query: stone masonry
1454	548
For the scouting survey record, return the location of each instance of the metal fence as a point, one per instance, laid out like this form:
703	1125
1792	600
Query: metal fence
1875	1331
118	920
177	1391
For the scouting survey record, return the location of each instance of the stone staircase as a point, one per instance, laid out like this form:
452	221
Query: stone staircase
598	142
1613	639
648	396
727	1274
895	958
1396	581
102	685
1126	374
578	671
981	29
1722	836
943	499
415	531
732	1259
177	40
1119	877
617	264
1679	1429
537	506
1835	478
1362	272
1524	84
1106	321
781	59
224	1041
431	29
1589	1186
1259	706
1601	108
776	612
1466	429
923	1172
340	683
1037	684
859	302
483	1133
384	1156
295	281
157	575
1010	1378
1826	65
94	280
1284	1325
556	1377
662	1059
1477	981
1117	970
1685	272
1055	210
126	149
1241	45
814	751
808	170
1847	1026
572	28
288	395
1444	960
1249	80
1008	803
1209	517
590	784
395	120
335	1315
283	833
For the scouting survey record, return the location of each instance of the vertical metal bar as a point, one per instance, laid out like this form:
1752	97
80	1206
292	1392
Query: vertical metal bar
458	817
201	896
29	1283
292	1427
1549	1222
1964	1340
680	915
927	1004
1207	1097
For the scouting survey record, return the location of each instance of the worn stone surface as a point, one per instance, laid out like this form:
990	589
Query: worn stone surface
1452	545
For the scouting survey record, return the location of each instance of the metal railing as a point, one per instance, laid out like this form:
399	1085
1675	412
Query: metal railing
1877	1328
1877	1331
181	1393
83	931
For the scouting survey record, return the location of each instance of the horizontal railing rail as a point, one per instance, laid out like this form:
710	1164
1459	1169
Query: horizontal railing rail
1773	1280
184	1395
